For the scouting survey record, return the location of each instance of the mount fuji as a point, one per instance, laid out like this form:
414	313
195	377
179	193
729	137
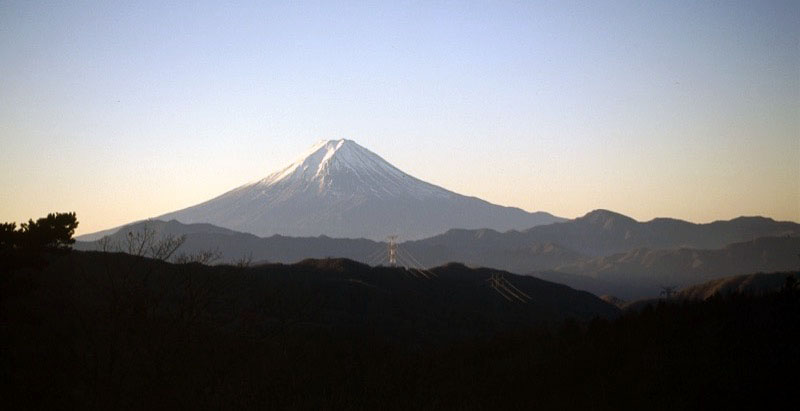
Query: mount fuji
341	189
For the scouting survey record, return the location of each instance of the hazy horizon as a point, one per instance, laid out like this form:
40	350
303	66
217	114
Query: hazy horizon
122	112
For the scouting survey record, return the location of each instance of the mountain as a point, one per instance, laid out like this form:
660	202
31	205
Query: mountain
633	274
341	189
511	251
688	265
642	272
232	246
320	295
603	232
109	331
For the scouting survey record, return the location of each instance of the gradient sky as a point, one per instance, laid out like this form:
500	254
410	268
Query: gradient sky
127	110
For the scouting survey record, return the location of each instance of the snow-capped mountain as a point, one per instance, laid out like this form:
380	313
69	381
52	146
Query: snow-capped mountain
341	189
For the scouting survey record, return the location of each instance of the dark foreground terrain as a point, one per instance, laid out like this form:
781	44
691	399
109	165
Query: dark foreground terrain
113	331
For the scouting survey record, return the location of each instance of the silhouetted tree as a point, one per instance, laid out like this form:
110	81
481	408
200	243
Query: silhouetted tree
53	232
24	246
8	236
146	242
206	257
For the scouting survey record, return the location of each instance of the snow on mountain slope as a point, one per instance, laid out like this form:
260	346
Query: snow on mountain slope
341	189
342	165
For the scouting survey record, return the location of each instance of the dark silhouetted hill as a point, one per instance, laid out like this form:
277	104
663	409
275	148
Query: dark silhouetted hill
115	331
431	304
750	284
757	284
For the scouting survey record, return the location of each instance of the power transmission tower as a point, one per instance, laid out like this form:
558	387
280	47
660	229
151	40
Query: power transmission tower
392	239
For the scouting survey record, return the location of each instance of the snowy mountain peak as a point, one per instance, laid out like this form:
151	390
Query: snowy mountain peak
341	189
330	157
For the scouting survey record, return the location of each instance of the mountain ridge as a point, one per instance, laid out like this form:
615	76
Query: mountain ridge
632	273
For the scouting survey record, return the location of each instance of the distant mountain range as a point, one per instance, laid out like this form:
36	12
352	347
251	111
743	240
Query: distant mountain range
682	265
343	190
642	272
598	233
232	245
603	232
638	259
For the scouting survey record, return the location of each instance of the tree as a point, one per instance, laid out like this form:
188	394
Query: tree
25	246
8	236
146	242
53	232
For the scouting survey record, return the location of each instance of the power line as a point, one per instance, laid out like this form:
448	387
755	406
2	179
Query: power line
416	264
376	256
507	290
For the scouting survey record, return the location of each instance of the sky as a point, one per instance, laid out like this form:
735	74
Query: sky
124	110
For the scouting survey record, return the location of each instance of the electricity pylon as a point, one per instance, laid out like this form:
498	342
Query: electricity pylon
392	239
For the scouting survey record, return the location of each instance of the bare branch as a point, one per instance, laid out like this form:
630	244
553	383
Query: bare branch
205	257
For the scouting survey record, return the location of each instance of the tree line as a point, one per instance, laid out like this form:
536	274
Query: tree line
26	245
